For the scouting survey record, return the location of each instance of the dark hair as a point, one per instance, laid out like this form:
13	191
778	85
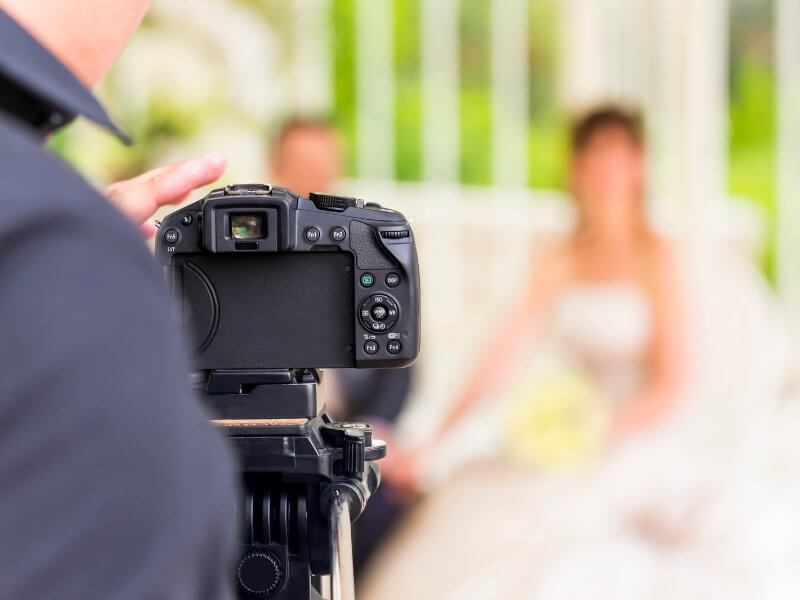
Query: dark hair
606	117
293	124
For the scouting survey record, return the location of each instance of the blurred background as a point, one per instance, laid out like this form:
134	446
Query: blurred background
457	113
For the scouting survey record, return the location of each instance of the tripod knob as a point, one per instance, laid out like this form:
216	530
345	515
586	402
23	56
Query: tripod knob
353	454
260	573
355	440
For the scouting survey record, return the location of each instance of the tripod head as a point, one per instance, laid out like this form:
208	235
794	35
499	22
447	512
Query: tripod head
305	477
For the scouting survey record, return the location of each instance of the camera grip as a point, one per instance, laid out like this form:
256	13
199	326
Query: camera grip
368	250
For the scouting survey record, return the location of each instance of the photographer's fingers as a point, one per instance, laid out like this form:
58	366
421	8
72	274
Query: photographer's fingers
140	197
170	185
148	229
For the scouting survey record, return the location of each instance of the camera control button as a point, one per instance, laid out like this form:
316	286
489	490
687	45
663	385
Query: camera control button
379	312
392	280
394	346
186	219
312	235
337	234
171	236
367	280
371	347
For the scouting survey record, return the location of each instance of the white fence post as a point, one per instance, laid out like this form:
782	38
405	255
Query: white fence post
312	86
375	139
440	86
509	55
787	23
705	101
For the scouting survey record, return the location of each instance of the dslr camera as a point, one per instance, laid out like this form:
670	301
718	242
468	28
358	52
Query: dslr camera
270	287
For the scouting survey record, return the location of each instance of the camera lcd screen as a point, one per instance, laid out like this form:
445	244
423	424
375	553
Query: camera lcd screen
247	227
272	310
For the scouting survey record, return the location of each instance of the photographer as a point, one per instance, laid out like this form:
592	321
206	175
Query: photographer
112	484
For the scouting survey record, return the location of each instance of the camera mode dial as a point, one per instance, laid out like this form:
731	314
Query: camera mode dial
379	313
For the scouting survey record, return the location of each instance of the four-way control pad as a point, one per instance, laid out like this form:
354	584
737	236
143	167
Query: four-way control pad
379	313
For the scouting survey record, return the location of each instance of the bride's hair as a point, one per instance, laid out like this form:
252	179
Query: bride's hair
606	117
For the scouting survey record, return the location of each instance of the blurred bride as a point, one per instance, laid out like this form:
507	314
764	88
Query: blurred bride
608	296
611	487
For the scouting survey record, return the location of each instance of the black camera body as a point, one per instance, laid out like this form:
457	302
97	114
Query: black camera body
271	287
267	279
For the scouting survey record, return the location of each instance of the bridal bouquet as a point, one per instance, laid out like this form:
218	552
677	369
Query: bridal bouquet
555	419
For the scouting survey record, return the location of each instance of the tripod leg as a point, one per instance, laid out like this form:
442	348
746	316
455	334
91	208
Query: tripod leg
342	582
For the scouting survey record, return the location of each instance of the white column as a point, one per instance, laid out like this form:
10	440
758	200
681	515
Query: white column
787	20
665	106
509	54
312	89
374	89
606	51
583	77
705	100
440	85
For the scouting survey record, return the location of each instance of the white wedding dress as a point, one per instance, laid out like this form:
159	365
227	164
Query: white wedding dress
706	505
606	327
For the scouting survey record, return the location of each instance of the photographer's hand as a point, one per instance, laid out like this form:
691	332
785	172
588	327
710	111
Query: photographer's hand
140	197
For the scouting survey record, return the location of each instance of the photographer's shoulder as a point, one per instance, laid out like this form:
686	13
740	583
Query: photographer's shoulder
43	197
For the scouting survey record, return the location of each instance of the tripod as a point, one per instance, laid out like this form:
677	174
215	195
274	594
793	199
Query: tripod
305	478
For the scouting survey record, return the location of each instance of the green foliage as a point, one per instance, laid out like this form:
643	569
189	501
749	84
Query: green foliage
408	101
752	167
475	96
548	150
344	69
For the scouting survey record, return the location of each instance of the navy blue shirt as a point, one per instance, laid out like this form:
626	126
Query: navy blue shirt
112	483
